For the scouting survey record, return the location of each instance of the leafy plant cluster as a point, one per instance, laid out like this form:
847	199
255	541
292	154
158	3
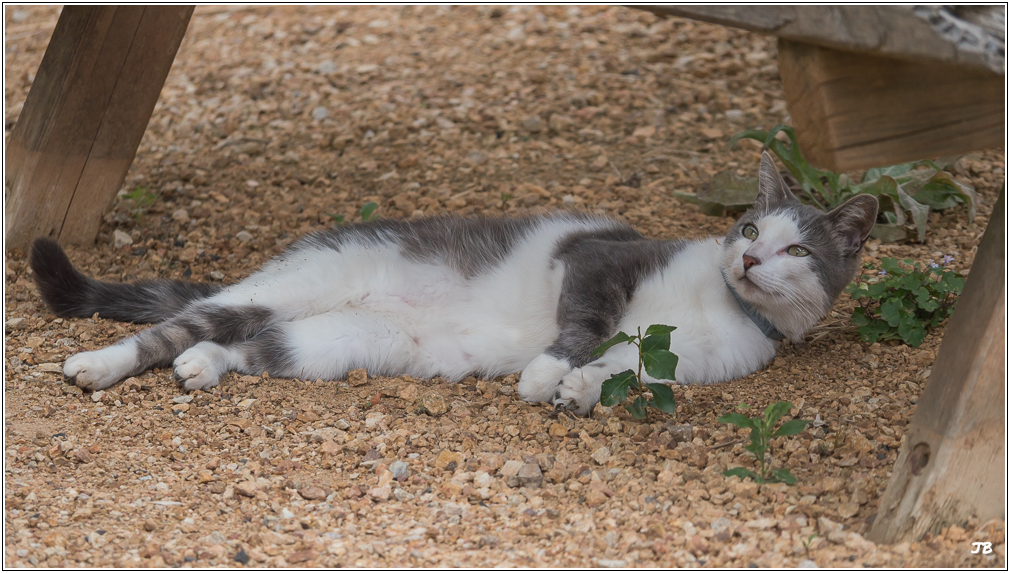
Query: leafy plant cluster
761	434
904	299
655	356
906	191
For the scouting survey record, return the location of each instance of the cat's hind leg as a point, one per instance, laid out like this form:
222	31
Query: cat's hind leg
323	346
159	345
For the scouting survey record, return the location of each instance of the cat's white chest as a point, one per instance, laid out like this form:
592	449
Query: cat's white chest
714	340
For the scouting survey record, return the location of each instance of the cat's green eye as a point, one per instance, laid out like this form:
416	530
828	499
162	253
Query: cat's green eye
797	251
750	231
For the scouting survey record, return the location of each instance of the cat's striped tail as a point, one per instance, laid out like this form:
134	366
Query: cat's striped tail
70	294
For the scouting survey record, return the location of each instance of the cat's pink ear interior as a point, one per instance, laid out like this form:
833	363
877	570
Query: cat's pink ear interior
771	188
854	220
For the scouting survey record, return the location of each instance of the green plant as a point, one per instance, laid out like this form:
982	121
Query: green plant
761	434
807	542
142	199
655	356
368	210
913	188
505	198
904	299
367	213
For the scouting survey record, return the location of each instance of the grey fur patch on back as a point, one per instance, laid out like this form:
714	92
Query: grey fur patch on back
603	269
470	246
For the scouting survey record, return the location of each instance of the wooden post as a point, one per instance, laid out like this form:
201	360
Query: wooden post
952	464
853	111
85	116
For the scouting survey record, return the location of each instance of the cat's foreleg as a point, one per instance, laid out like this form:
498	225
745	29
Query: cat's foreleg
159	345
580	389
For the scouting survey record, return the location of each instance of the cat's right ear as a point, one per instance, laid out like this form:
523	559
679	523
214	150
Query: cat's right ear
772	189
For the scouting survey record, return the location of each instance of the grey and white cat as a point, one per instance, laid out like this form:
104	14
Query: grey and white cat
452	296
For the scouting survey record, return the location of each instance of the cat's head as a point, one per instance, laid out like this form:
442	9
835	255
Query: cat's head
790	261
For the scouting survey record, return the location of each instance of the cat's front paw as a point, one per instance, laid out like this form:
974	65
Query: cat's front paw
540	378
579	390
101	368
198	368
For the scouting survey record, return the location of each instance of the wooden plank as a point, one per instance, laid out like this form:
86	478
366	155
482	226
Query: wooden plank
952	464
85	116
853	111
970	36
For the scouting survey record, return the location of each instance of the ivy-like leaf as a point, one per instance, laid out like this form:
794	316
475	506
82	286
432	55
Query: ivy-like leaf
791	428
615	389
614	340
859	317
912	332
660	364
890	311
662	398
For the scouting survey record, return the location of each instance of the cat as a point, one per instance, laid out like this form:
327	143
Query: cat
453	296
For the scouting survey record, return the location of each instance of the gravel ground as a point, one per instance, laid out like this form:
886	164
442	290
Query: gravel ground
276	120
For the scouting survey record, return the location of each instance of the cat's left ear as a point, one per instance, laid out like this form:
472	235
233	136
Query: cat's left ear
853	221
772	189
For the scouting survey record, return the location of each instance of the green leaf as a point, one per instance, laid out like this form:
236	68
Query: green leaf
659	329
920	212
615	388
912	332
660	364
740	473
656	342
367	209
890	310
873	331
637	408
738	420
784	476
616	339
662	398
775	411
757	449
791	428
859	317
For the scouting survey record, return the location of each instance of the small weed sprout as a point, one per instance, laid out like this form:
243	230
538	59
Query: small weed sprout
761	434
368	211
904	299
807	542
655	356
142	198
337	218
505	198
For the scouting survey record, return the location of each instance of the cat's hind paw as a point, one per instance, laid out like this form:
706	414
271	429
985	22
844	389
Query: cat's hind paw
101	368
199	368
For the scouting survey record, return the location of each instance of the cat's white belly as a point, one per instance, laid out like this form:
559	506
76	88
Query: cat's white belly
714	341
409	317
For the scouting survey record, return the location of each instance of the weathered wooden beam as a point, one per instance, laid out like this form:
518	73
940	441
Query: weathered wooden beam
969	36
853	110
952	464
84	117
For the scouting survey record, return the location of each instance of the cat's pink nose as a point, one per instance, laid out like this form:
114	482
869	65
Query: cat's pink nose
749	261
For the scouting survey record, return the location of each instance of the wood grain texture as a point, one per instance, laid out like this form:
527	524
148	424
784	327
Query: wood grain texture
853	111
952	464
85	116
968	36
